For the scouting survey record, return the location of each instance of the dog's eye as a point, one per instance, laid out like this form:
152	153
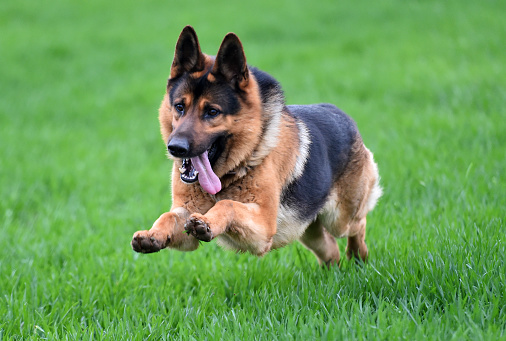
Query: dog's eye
180	108
212	112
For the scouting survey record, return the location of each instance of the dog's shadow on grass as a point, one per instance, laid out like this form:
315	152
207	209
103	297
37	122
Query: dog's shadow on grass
287	274
213	277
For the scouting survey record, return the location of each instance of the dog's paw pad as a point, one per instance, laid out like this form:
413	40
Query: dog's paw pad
144	243
199	228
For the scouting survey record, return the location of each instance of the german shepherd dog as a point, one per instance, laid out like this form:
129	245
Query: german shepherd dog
252	172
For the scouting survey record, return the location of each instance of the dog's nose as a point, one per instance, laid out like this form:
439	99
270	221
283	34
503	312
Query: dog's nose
178	147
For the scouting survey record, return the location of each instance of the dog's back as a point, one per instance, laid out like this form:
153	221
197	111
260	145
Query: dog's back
331	137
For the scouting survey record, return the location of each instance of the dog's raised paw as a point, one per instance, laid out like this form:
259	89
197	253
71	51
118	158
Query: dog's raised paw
143	242
198	227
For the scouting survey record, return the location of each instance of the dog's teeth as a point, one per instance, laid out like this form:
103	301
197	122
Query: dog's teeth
182	170
196	173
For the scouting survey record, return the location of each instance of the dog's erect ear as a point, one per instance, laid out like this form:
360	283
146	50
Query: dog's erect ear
231	62
188	56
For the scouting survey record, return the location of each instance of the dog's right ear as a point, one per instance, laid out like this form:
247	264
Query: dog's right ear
188	56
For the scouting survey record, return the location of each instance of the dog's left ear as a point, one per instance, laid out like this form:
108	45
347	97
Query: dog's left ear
231	62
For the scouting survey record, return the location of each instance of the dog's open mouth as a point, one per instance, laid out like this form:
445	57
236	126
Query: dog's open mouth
199	168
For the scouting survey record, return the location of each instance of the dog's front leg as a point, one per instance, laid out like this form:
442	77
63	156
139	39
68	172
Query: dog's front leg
252	226
167	231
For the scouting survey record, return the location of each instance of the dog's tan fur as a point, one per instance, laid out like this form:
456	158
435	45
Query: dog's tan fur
264	153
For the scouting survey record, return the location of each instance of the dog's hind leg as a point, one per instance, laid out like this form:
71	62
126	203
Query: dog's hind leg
356	246
167	231
357	192
317	239
350	223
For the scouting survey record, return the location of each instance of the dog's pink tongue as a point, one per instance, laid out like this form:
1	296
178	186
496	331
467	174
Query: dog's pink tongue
207	179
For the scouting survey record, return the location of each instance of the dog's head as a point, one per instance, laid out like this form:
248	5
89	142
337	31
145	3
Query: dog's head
210	117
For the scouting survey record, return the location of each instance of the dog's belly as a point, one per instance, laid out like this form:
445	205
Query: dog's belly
290	227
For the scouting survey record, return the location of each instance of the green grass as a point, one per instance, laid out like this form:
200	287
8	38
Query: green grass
82	167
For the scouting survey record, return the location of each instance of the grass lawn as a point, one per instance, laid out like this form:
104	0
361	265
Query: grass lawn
82	166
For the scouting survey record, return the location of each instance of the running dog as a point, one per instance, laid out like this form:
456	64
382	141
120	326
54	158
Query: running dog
252	172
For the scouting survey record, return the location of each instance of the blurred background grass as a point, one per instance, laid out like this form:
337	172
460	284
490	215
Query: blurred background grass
82	166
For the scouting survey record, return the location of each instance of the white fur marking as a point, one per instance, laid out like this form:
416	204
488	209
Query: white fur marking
376	190
330	211
304	143
272	116
289	229
226	242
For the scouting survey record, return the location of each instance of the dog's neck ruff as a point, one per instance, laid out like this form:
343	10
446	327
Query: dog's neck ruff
271	116
272	110
302	156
